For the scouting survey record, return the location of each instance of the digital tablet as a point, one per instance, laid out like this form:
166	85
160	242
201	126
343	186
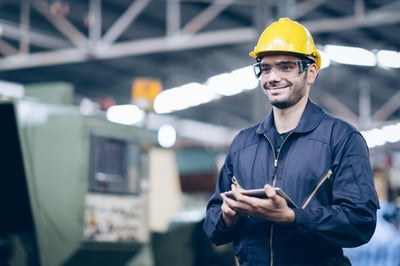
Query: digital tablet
260	193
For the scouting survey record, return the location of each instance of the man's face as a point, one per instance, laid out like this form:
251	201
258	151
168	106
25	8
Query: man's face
281	81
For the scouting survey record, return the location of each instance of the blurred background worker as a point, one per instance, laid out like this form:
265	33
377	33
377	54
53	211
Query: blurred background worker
384	247
319	160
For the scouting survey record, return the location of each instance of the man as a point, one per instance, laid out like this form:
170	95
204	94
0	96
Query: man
318	160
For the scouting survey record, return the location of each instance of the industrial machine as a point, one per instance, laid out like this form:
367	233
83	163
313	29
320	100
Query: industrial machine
71	189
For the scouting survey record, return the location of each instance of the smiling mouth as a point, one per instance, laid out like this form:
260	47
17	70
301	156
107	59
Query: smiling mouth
277	88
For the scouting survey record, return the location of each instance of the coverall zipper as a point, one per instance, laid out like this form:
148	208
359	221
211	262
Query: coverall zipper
320	183
276	158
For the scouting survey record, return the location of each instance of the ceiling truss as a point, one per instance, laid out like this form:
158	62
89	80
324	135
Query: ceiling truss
97	46
71	45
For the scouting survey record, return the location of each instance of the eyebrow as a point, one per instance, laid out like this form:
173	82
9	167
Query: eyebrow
280	61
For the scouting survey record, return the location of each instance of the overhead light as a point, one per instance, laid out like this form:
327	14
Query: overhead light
127	114
179	98
388	58
223	84
350	55
380	136
191	129
235	82
166	136
244	78
186	128
325	61
239	80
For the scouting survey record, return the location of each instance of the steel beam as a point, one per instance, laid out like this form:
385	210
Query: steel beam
384	112
24	27
353	22
364	105
305	7
192	40
337	107
94	21
7	49
173	17
12	31
124	21
210	13
141	47
62	24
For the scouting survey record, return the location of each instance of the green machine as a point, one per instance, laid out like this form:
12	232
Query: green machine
71	189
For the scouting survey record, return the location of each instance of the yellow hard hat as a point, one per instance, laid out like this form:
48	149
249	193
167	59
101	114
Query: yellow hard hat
287	36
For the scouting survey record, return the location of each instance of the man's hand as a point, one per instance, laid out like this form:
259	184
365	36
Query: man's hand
229	215
274	208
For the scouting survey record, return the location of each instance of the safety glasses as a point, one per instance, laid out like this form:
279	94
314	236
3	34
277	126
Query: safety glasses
282	68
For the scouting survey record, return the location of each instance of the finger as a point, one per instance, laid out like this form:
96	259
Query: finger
225	197
270	191
228	206
228	201
236	191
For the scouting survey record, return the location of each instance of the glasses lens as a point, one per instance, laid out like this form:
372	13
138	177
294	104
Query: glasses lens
282	68
257	70
286	68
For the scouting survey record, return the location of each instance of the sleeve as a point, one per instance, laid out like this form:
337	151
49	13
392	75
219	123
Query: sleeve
213	226
351	218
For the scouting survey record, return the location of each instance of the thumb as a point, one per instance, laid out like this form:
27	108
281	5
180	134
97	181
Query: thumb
271	193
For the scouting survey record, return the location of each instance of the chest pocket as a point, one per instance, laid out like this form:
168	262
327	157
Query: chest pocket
253	166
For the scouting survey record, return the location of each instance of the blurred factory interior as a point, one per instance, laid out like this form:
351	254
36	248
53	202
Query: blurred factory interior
90	89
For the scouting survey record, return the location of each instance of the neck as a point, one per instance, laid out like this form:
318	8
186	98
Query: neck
287	119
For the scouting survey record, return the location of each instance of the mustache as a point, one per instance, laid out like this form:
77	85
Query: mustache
272	85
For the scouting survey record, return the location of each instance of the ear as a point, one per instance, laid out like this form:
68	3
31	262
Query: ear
312	73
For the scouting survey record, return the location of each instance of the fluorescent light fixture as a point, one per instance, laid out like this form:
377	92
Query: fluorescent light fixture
209	133
166	136
127	114
392	133
183	97
380	136
235	82
387	58
224	84
350	55
193	94
374	137
192	129
244	77
325	61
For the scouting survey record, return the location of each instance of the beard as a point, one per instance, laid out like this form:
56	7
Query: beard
296	93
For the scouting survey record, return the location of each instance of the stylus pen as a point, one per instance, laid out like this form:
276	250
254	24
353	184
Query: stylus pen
234	181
